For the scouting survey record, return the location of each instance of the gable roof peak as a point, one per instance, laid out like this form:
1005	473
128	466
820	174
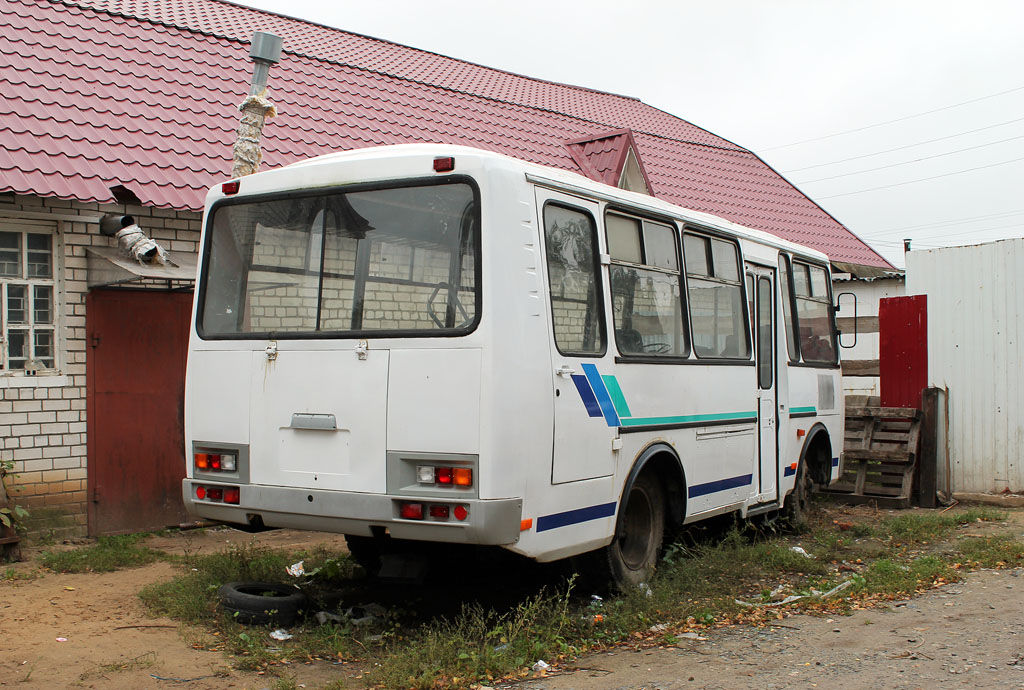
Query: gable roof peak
611	157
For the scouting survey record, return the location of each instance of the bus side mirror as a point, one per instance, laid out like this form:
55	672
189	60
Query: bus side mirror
847	325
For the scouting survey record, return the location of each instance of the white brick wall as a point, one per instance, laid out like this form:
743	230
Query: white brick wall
43	419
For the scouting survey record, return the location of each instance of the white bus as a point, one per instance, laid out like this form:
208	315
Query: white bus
443	344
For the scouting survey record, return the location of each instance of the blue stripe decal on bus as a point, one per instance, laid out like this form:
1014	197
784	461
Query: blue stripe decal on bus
835	462
720	485
789	471
574	517
602	394
589	401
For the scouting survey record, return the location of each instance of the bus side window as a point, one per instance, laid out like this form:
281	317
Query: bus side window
647	304
571	241
715	287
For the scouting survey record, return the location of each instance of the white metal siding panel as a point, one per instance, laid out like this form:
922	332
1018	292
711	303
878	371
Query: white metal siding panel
975	340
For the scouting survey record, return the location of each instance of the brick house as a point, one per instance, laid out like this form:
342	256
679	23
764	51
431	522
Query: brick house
130	106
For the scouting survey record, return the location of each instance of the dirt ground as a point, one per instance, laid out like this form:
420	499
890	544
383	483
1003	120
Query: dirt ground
91	631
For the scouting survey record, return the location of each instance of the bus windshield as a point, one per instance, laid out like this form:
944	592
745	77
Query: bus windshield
397	259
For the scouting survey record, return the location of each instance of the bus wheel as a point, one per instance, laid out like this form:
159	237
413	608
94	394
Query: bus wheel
365	551
798	502
633	553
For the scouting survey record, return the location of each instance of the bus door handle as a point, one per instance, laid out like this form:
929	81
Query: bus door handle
565	371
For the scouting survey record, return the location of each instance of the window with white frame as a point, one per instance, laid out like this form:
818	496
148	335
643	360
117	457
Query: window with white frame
28	314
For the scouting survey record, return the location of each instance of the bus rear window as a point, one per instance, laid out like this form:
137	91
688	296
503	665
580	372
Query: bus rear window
401	259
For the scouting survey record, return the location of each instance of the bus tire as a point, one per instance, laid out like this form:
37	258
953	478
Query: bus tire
365	551
798	503
633	553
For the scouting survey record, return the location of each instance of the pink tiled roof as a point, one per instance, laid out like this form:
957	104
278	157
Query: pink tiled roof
145	93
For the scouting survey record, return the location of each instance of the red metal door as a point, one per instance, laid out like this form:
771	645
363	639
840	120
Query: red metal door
135	389
903	350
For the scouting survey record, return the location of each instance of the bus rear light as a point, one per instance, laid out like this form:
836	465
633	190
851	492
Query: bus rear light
439	512
425	474
461	513
444	164
200	492
443	475
411	511
216	462
463	476
215	493
231	187
232	494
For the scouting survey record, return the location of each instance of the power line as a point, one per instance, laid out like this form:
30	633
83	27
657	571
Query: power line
958	221
916	160
923	179
899	119
901	148
970	232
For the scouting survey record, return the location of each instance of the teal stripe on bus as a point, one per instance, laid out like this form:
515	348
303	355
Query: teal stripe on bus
690	418
804	410
618	398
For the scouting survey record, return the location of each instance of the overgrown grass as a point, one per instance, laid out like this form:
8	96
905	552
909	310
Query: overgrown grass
913	528
107	554
697	585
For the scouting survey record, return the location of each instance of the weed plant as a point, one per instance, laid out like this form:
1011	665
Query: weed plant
106	555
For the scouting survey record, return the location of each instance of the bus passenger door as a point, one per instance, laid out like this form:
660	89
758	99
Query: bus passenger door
761	294
585	420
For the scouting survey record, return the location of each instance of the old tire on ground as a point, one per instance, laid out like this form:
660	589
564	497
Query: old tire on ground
634	551
262	603
798	502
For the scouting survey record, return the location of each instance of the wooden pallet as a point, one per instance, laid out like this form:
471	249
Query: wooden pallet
879	456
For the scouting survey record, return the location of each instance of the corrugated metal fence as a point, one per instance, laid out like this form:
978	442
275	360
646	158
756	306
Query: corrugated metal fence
976	351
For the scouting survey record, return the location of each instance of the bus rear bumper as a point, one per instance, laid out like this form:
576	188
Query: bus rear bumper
489	522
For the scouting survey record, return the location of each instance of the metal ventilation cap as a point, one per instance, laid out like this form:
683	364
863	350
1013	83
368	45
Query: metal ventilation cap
266	47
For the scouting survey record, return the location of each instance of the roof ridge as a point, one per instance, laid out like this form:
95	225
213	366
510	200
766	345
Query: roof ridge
89	6
420	50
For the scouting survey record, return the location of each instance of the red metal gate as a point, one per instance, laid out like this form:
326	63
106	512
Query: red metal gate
903	350
135	388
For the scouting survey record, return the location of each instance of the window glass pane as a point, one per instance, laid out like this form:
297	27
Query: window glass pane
716	311
816	343
10	254
17	304
40	256
819	283
695	252
623	238
660	242
648	312
801	282
787	312
393	259
764	333
17	349
43	341
725	260
42	304
750	302
572	276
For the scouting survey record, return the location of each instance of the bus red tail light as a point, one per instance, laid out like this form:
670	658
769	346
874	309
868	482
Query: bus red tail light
461	513
440	512
411	511
232	494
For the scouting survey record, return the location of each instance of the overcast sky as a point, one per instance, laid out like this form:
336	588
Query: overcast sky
806	84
